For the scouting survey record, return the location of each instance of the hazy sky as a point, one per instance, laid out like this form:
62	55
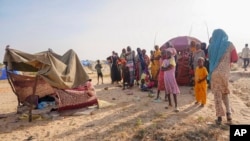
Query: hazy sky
94	28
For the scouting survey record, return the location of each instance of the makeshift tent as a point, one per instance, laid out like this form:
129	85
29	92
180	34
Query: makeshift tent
61	76
181	43
184	73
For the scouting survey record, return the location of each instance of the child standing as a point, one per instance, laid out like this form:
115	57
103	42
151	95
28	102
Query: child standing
98	68
125	74
200	87
160	85
171	87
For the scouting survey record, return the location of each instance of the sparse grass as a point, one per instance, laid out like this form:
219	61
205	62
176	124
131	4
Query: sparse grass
158	115
200	119
138	122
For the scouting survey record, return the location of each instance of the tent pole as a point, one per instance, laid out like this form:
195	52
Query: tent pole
11	85
31	104
9	77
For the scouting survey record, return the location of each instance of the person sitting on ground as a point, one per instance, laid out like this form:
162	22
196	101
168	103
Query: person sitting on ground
146	85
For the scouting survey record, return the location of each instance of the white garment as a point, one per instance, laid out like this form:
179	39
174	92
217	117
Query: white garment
245	52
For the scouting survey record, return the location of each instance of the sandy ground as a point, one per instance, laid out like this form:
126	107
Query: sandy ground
131	117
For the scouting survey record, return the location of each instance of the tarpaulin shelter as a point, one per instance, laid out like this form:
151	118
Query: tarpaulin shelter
3	73
182	44
61	76
86	62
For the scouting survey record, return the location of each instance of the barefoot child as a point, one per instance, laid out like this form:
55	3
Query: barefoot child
146	84
171	87
200	87
98	68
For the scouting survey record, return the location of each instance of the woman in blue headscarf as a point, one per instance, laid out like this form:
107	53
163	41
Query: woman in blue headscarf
221	53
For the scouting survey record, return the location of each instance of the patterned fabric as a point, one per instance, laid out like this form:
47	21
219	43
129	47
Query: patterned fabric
183	76
219	82
218	99
171	86
130	58
217	48
73	99
130	65
82	96
200	88
23	86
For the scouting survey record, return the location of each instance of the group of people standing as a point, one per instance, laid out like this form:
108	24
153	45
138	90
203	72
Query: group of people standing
220	53
135	63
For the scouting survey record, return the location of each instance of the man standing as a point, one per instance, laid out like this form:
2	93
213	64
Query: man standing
245	56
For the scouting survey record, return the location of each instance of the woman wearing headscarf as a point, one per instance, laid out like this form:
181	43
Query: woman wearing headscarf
115	71
130	58
156	63
140	65
221	53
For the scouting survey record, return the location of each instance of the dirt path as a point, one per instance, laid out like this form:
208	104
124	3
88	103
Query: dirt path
132	117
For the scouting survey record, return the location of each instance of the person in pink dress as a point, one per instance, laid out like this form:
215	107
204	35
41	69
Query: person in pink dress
160	85
171	86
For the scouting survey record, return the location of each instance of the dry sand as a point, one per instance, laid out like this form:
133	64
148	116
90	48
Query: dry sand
131	117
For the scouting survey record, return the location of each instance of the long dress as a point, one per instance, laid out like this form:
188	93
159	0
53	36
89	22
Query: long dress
115	72
130	64
200	88
171	86
161	85
155	65
219	83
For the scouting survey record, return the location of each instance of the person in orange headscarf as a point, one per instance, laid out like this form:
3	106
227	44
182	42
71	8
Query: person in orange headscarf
156	63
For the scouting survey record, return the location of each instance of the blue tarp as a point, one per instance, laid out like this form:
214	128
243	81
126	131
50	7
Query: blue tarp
86	62
3	74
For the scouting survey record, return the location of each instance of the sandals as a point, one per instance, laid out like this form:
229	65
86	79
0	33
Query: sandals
218	121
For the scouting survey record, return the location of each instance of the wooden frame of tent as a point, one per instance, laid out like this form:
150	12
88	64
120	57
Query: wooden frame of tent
12	83
28	89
